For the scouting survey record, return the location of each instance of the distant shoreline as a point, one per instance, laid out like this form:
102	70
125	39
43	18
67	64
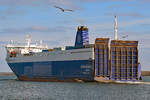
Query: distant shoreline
144	73
6	74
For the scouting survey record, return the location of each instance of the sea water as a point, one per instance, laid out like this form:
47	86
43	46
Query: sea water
12	89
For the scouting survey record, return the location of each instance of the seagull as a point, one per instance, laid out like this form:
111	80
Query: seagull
62	9
125	36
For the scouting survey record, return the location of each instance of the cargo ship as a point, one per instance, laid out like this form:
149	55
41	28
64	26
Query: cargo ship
81	62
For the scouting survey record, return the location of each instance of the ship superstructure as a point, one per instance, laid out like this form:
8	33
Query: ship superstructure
83	61
24	48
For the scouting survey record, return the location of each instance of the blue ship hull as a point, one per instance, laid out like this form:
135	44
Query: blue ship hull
54	70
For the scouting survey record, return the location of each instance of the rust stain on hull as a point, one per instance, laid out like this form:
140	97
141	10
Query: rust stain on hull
39	79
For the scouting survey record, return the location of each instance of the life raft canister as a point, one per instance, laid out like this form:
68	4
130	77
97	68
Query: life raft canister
13	54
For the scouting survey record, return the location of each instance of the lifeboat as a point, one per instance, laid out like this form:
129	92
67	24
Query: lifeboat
13	54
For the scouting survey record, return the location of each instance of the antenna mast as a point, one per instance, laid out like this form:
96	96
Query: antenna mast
116	29
28	40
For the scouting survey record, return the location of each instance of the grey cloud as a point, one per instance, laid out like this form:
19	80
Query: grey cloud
73	4
11	5
146	0
103	0
13	11
18	2
146	24
129	14
36	29
3	17
36	2
142	37
135	22
70	3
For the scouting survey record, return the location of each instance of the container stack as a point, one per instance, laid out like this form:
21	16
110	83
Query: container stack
124	60
102	57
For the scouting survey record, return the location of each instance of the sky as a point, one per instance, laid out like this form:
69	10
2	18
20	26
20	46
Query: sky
42	21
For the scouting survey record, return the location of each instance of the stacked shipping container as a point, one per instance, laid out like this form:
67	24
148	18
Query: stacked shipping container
102	57
124	60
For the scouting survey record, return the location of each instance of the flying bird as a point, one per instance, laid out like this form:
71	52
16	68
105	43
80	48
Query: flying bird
62	9
125	36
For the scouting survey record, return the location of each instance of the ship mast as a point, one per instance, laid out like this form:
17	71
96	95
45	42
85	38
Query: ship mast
116	29
28	40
